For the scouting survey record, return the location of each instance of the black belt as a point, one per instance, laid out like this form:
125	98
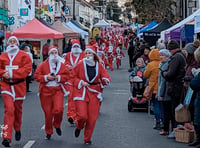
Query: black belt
16	82
94	83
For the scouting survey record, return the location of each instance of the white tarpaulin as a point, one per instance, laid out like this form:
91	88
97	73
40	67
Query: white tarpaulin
83	33
197	24
102	23
186	20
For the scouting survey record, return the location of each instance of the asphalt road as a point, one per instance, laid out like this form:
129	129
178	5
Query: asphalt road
115	128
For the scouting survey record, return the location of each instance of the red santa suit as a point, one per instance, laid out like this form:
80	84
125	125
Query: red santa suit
18	65
51	92
71	60
118	53
88	98
110	55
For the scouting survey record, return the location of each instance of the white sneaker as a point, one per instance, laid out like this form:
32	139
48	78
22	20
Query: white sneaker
171	135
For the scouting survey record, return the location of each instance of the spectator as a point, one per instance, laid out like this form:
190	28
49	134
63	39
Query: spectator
151	73
195	85
45	49
174	76
162	95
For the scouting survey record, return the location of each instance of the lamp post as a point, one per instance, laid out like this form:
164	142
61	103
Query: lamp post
74	16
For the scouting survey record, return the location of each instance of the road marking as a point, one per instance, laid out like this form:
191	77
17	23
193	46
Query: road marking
120	90
120	93
43	127
29	144
66	104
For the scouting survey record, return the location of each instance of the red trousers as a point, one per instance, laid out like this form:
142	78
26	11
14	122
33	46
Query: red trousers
12	115
118	62
71	108
87	114
53	110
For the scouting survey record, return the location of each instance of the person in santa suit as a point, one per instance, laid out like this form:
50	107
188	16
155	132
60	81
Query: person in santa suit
110	51
90	78
71	60
118	53
15	66
103	59
51	74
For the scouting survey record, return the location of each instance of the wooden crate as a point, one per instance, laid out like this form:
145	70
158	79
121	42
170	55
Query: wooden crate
184	135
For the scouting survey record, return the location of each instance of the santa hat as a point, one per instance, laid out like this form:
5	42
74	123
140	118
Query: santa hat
52	48
13	37
91	49
76	43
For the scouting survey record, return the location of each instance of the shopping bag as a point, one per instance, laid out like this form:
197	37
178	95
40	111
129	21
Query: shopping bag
188	96
182	113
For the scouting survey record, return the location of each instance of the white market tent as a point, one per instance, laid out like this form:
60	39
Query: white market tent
186	20
102	23
84	34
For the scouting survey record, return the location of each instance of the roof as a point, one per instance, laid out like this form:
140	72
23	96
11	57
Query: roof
35	29
164	24
58	26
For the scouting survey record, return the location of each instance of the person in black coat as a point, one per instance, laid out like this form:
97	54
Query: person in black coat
174	77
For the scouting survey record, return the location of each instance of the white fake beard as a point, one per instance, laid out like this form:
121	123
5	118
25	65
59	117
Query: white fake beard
56	59
90	61
12	49
76	51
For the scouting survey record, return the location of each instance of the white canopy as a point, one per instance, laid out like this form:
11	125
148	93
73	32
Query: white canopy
102	23
84	34
197	24
186	20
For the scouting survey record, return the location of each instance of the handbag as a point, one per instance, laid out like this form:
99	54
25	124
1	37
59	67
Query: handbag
148	92
182	113
188	96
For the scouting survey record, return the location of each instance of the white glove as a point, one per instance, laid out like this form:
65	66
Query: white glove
195	71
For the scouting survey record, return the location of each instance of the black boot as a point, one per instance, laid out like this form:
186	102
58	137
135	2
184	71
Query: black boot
58	131
6	142
196	141
157	126
17	135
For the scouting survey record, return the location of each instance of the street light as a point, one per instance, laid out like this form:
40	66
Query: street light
74	17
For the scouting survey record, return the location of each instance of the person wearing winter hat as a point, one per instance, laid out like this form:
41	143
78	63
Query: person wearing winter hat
15	67
174	76
162	95
90	78
71	60
195	84
52	74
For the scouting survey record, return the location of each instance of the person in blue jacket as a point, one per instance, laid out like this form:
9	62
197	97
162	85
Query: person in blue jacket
195	85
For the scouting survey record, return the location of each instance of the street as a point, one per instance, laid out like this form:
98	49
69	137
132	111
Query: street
115	128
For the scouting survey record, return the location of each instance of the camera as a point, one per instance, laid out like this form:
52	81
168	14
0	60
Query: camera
52	74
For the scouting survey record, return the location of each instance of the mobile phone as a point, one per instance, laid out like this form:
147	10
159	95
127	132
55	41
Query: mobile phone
52	74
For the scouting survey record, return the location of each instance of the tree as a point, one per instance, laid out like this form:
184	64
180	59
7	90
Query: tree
149	10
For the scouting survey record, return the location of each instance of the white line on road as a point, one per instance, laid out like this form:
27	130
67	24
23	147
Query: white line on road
121	90
120	93
29	144
43	127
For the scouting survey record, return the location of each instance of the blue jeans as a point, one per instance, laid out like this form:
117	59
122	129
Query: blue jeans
157	109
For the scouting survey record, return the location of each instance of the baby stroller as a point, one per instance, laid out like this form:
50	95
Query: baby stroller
137	101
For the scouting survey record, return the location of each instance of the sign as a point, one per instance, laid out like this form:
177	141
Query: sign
23	11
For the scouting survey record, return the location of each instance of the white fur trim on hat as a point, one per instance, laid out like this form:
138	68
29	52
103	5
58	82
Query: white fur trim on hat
76	44
52	49
13	37
89	49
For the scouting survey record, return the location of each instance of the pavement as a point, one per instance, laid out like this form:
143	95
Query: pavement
115	128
